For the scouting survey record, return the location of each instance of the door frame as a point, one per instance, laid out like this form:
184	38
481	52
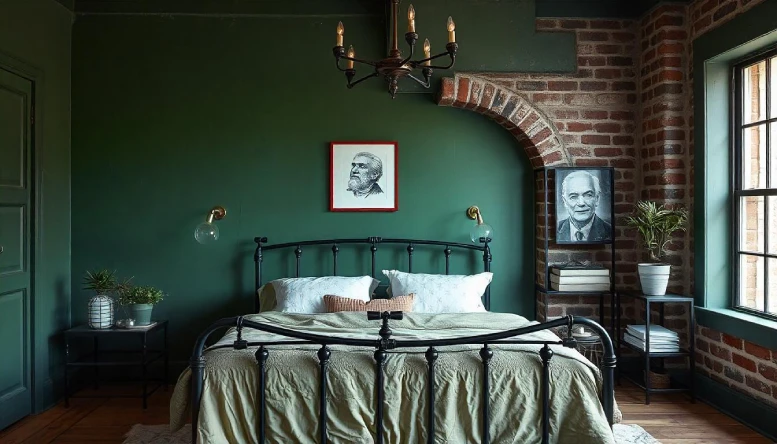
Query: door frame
37	77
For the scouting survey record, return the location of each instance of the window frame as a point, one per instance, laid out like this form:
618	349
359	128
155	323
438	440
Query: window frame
738	128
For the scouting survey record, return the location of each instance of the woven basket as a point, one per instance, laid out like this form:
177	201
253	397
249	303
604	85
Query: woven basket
659	380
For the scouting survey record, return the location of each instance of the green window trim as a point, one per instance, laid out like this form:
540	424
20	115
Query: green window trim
714	55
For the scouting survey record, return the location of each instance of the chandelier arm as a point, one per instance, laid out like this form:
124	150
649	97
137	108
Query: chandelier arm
426	84
421	62
411	38
366	62
369	76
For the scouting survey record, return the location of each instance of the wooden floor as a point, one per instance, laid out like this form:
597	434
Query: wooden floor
669	418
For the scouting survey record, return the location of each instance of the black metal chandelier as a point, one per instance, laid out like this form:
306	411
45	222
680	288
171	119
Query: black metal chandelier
395	67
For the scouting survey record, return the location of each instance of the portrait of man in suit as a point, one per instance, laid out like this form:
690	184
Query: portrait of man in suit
581	216
366	170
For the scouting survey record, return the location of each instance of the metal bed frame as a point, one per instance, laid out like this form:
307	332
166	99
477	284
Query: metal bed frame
385	343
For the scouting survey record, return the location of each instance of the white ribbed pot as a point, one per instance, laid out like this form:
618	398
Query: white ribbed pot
654	278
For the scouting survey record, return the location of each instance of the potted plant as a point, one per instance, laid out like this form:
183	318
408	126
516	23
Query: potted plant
100	307
140	301
656	224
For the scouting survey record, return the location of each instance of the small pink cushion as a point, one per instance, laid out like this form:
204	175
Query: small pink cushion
336	304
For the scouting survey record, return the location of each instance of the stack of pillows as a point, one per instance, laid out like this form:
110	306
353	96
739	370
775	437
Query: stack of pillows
411	292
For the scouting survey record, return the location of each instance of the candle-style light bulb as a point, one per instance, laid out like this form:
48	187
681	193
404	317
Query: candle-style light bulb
340	32
427	51
451	30
411	19
351	54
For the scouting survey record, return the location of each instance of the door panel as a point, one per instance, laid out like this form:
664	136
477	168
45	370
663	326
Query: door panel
13	372
12	237
15	274
12	133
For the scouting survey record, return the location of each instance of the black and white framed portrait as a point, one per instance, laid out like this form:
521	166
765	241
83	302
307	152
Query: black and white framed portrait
584	205
363	176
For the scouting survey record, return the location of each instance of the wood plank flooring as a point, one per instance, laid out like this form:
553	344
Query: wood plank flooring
671	419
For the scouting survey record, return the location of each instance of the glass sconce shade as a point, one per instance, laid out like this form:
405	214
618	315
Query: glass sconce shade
482	230
206	233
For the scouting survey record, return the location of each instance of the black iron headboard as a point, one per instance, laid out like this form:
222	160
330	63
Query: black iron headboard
373	242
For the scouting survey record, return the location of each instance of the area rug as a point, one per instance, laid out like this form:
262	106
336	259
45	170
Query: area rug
160	434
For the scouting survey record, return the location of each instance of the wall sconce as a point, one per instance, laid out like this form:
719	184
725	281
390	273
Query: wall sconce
207	231
480	230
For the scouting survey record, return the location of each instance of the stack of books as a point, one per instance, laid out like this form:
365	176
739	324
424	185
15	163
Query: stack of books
579	278
662	340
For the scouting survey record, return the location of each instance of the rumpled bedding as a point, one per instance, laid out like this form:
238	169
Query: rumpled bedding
229	412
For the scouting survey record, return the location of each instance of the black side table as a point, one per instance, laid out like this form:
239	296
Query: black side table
688	352
95	360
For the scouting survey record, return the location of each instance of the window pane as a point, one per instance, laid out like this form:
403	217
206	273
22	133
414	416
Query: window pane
754	158
773	88
773	226
772	264
754	80
751	282
752	224
773	154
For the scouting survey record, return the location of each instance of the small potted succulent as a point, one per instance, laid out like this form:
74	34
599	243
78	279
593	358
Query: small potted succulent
140	301
656	224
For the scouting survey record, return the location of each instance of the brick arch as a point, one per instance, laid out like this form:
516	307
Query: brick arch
535	133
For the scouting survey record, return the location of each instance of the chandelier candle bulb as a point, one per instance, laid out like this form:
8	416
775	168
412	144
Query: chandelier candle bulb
427	52
340	32
451	30
411	19
351	54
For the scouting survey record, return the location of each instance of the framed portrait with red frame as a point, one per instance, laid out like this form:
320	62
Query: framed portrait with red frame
363	176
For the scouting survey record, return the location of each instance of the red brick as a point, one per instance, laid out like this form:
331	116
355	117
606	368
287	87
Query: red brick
608	73
607	128
446	91
578	127
595	114
463	92
768	371
758	385
593	86
593	36
562	86
732	341
574	24
608	152
623	140
758	351
606	24
702	346
595	140
607	49
671	48
743	362
720	352
547	24
670	76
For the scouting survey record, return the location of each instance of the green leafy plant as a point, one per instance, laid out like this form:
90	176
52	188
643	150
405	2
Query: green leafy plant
655	224
140	295
101	281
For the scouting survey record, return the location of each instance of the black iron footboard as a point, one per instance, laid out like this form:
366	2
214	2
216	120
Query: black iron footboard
384	343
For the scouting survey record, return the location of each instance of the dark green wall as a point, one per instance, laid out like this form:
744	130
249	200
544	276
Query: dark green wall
172	116
35	38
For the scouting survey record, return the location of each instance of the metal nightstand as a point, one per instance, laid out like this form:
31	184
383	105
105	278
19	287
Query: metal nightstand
94	359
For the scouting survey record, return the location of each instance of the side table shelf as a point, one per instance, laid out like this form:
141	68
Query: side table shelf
643	380
141	357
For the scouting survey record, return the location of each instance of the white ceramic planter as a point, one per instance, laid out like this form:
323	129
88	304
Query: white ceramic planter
654	278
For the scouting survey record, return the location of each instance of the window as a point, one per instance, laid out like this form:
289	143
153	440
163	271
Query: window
755	184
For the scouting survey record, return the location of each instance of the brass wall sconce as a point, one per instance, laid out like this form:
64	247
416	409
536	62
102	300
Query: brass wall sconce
481	231
207	231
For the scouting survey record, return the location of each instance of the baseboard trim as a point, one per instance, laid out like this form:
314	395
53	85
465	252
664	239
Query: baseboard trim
749	411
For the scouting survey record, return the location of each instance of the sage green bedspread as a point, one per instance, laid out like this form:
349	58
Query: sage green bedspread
229	411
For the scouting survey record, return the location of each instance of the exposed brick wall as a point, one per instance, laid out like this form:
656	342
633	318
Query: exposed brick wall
592	113
741	365
629	105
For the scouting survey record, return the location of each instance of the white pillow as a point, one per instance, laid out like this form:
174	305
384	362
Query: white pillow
439	293
306	295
